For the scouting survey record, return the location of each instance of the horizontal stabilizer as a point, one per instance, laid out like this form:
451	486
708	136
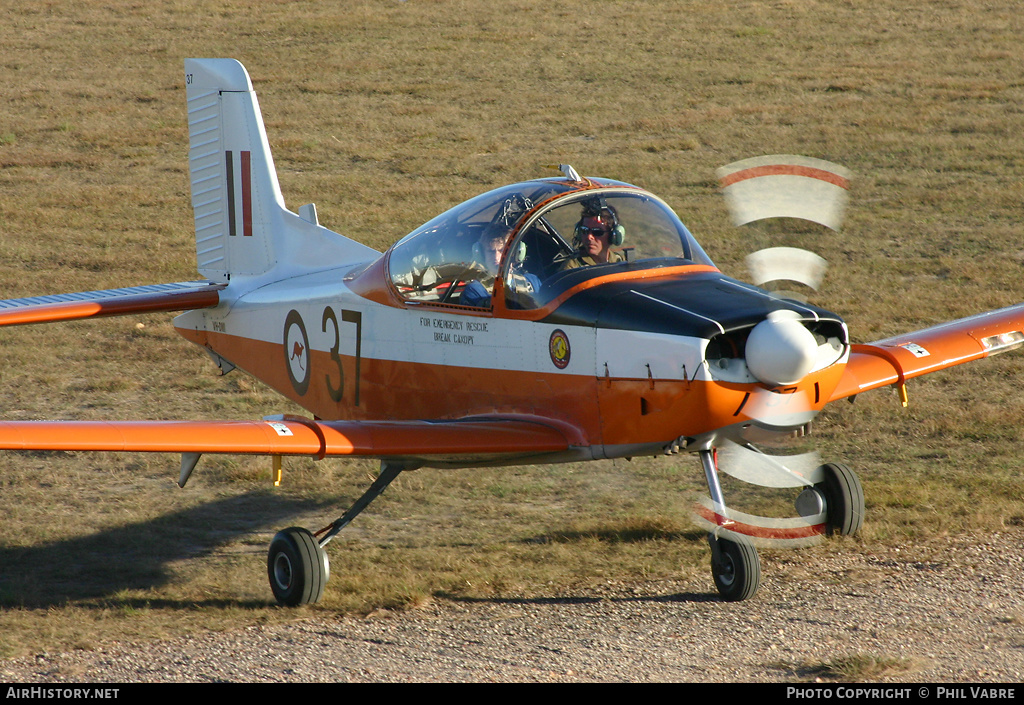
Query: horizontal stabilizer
180	296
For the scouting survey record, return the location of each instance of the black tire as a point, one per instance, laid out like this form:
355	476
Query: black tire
844	500
297	567
737	573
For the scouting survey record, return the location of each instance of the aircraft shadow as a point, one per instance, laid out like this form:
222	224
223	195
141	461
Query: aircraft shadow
137	556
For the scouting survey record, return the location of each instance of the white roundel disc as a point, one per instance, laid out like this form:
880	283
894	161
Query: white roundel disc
296	352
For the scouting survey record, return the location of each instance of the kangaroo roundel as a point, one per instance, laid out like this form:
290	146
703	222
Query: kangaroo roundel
296	351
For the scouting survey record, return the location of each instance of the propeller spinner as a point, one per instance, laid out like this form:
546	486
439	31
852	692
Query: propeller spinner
780	350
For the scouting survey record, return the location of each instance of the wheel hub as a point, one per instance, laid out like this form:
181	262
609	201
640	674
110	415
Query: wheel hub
726	571
811	502
283	571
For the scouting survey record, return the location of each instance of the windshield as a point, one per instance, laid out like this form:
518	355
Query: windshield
587	234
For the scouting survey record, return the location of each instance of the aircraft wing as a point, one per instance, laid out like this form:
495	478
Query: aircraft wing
451	442
895	360
179	296
467	441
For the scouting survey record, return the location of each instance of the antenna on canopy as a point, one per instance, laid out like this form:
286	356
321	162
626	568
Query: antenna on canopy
567	170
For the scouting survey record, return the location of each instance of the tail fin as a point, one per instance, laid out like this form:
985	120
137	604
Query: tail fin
242	225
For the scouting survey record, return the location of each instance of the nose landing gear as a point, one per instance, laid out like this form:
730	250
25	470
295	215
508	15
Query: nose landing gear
735	568
833	505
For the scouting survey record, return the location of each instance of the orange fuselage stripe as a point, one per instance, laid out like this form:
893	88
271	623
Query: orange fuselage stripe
607	411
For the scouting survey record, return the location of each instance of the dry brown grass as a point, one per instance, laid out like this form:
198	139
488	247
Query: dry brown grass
386	113
858	668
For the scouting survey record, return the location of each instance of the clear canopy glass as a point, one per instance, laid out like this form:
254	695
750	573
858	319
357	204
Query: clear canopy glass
540	237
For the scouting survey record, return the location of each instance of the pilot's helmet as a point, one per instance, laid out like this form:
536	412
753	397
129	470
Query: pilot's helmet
600	217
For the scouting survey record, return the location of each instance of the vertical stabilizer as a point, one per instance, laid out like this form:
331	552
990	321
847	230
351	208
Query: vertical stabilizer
242	225
235	194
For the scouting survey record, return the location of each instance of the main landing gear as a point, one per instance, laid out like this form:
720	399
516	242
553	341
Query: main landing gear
735	565
844	499
297	563
298	567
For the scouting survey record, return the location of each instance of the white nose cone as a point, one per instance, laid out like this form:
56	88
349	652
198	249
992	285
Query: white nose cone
780	350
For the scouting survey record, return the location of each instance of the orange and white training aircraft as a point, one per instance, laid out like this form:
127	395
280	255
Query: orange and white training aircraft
556	320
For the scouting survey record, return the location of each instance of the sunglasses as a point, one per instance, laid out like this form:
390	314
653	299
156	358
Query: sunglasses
596	232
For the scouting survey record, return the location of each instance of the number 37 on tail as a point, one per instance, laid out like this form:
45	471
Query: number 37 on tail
561	319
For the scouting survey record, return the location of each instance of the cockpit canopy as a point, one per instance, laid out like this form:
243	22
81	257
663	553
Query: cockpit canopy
537	237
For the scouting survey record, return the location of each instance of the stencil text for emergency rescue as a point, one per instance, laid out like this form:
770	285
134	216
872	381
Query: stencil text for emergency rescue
444	327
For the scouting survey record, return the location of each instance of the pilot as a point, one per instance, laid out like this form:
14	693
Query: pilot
597	231
487	253
492	244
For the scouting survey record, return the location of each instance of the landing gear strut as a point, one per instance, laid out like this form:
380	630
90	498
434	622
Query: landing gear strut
735	565
297	564
836	499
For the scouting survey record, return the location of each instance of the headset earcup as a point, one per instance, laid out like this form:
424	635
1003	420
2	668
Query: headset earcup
618	236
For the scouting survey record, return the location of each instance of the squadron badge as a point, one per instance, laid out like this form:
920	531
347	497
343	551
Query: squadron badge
558	347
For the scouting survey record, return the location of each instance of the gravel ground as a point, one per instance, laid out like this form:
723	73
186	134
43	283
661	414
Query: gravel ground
950	611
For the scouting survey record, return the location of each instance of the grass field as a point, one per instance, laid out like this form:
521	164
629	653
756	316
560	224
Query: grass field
385	113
